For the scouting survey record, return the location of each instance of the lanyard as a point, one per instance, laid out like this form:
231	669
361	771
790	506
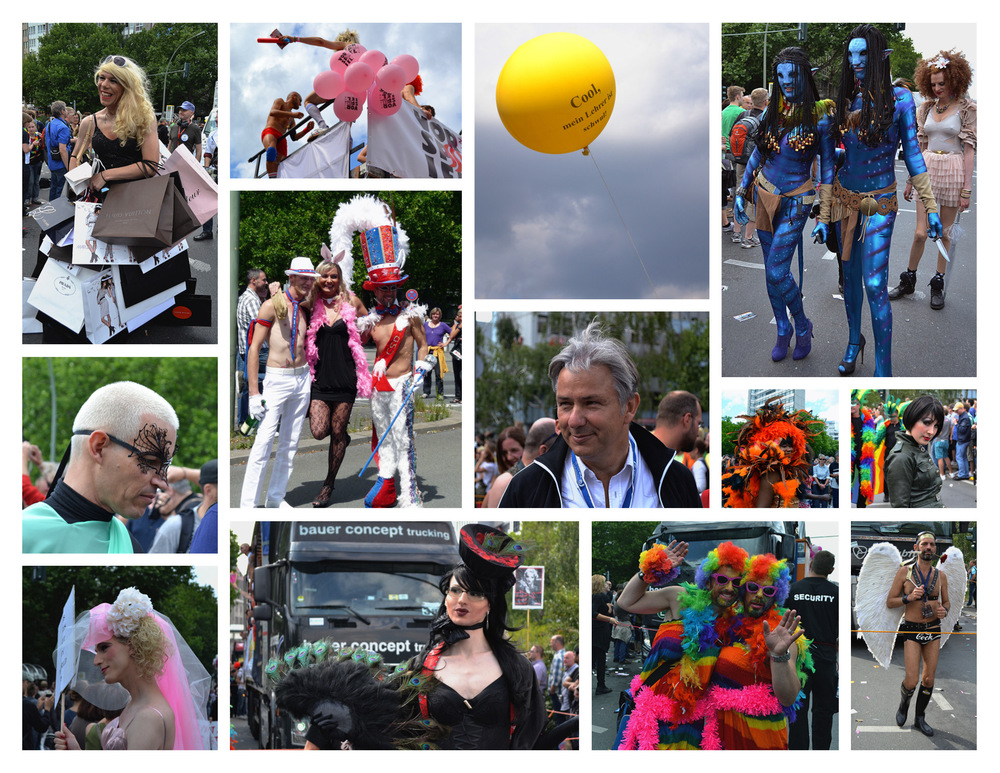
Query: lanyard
585	492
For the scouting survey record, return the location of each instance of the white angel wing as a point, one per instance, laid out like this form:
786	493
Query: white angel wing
878	623
952	565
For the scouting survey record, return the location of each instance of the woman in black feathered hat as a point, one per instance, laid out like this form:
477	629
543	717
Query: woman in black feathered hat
469	689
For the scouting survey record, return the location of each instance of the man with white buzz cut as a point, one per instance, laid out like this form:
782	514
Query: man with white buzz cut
124	437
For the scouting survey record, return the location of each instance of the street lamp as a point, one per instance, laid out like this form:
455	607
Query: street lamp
163	104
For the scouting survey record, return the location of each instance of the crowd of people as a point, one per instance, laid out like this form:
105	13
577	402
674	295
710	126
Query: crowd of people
121	140
730	667
301	354
907	451
789	155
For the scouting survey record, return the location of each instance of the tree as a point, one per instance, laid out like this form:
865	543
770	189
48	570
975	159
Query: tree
191	607
68	55
275	226
554	545
615	547
189	384
743	53
669	350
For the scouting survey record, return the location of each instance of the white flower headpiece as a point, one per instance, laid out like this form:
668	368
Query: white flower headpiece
129	608
939	62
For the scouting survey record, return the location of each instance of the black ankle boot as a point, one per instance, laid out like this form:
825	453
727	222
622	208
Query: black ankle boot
904	705
923	698
907	284
937	291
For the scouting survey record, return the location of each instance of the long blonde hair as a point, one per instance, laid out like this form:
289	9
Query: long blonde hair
134	116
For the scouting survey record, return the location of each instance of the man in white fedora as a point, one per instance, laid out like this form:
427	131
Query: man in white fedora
282	323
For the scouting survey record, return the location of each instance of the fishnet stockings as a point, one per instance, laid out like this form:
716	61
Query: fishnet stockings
331	420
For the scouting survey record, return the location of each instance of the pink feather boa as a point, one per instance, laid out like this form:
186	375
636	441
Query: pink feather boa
643	728
350	316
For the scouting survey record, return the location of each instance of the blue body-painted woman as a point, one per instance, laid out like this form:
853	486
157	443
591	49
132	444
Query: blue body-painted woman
778	180
874	118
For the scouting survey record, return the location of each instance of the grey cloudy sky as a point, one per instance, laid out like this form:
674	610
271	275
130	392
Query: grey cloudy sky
546	226
261	72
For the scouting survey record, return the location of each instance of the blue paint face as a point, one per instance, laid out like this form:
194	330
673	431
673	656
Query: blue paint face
857	53
791	82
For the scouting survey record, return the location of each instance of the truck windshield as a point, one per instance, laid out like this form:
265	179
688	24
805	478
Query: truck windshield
369	593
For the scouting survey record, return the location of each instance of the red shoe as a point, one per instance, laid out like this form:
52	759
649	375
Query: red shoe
382	494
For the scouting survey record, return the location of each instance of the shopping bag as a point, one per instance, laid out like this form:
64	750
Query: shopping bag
138	213
200	190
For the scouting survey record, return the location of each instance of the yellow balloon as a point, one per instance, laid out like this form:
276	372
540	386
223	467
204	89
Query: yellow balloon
556	93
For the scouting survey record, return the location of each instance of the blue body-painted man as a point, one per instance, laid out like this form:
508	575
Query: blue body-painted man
874	118
778	181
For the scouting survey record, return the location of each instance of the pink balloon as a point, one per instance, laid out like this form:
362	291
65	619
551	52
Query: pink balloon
356	48
391	78
358	77
328	84
347	106
374	59
341	60
409	65
384	102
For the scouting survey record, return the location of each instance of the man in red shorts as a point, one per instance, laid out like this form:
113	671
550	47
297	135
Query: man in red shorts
284	113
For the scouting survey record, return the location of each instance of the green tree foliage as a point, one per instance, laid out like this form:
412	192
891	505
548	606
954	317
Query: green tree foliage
556	546
820	444
514	381
189	384
743	53
172	589
615	547
277	226
67	56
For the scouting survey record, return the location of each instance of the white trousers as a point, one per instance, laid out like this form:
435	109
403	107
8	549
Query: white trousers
287	400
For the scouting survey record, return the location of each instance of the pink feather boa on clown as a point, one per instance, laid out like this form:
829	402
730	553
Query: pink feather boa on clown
643	729
350	317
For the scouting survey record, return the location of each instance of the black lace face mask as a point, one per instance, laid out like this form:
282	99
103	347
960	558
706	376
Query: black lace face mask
150	448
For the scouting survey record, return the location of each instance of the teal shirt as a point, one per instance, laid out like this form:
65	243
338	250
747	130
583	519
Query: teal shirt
43	530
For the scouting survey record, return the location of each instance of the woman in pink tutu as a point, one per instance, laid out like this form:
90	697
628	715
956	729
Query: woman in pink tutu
946	130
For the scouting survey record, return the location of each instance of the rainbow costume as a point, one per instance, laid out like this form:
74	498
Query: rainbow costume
670	711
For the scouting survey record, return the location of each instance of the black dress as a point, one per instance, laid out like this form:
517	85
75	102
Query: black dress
112	153
336	377
482	722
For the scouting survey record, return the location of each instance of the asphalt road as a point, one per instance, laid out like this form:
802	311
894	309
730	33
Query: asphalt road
953	709
954	493
204	260
605	707
925	343
439	468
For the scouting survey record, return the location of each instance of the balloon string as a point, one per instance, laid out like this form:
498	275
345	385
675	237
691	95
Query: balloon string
627	233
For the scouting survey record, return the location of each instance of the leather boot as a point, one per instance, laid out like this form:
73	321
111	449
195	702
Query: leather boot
937	291
907	284
923	698
904	705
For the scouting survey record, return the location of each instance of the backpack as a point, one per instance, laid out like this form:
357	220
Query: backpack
743	137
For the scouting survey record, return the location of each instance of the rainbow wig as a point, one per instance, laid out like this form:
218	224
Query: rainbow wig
726	554
768	570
